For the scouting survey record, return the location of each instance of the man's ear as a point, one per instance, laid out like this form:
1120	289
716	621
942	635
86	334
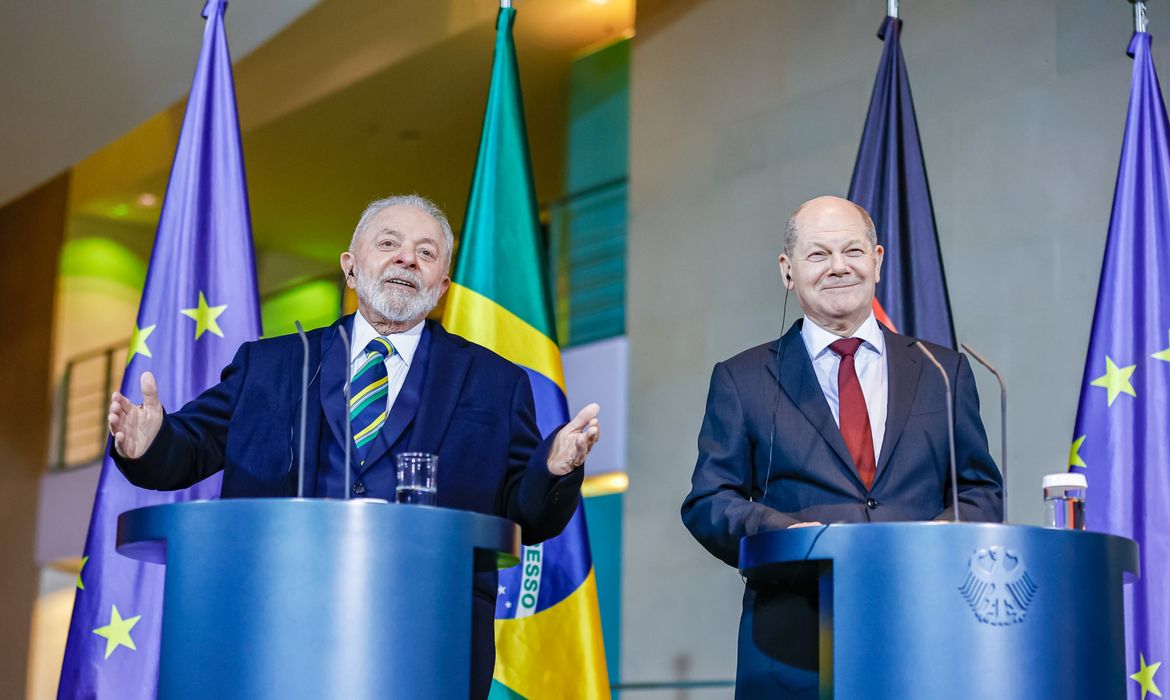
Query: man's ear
879	254
347	263
786	272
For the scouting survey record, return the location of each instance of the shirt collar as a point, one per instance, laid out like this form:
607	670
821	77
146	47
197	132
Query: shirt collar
405	343
817	340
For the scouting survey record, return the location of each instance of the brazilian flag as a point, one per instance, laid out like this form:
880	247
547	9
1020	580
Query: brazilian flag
548	627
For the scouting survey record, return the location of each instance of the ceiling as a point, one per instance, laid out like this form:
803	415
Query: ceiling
79	74
356	99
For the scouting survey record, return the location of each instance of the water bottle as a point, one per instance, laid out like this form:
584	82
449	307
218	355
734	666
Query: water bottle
1064	500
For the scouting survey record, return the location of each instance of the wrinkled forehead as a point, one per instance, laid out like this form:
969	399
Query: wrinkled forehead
829	225
405	222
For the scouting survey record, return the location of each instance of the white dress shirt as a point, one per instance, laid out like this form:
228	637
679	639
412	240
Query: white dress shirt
872	372
405	344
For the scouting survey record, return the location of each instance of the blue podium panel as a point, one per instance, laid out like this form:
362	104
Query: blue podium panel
944	610
295	598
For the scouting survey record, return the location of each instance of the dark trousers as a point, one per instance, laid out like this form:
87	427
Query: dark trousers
779	643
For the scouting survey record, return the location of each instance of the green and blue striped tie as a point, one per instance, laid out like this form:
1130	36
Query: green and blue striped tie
367	403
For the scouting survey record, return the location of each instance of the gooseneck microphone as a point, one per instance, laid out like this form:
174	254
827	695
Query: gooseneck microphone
950	427
348	422
304	410
1002	421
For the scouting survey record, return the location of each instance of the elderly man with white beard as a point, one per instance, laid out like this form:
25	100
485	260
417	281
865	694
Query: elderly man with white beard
415	388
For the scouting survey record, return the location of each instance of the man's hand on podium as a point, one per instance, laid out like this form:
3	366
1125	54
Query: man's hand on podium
574	441
135	426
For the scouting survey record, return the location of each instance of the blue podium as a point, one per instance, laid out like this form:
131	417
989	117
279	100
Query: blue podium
943	610
299	598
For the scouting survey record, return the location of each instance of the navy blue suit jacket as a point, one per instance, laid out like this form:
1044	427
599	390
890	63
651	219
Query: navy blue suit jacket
475	411
767	410
812	475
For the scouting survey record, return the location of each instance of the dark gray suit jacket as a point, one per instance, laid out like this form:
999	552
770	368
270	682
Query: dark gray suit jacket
752	405
771	455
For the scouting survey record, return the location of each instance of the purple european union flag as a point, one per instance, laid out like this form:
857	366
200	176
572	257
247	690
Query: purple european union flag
199	304
1121	442
889	180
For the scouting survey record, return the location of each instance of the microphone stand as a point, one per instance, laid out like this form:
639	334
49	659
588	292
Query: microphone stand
1002	421
304	410
950	427
348	423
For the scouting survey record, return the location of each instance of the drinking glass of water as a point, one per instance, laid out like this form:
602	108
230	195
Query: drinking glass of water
1064	500
417	472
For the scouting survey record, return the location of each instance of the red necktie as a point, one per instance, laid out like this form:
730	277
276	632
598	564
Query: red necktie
854	415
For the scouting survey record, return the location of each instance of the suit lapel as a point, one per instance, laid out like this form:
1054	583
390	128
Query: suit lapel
903	367
799	381
335	365
447	369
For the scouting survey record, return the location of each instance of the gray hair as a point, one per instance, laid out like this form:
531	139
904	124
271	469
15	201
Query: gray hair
414	200
790	227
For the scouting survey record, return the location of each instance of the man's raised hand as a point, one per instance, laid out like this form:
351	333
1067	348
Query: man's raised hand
574	441
134	426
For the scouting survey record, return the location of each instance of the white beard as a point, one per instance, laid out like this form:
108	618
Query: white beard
396	303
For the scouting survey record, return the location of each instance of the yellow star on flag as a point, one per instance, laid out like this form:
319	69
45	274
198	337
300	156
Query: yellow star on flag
117	633
205	317
80	584
1074	453
1163	355
1145	677
138	342
1116	380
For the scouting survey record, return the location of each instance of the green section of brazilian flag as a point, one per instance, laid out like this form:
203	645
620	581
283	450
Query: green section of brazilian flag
499	259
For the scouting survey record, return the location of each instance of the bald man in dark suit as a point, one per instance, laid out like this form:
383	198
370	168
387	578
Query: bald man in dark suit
840	420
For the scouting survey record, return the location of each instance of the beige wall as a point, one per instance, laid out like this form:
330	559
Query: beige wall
31	231
740	110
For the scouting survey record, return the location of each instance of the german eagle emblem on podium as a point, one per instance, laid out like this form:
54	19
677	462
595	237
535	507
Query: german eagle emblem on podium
998	587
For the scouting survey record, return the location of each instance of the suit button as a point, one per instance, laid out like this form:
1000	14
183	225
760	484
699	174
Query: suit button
871	503
359	488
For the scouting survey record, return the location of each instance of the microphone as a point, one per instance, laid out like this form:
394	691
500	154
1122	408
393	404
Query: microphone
950	427
1002	422
304	410
348	421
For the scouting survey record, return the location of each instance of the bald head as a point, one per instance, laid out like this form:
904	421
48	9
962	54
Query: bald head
832	261
827	213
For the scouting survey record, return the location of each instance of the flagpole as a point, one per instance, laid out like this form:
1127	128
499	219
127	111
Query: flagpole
892	8
1139	15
